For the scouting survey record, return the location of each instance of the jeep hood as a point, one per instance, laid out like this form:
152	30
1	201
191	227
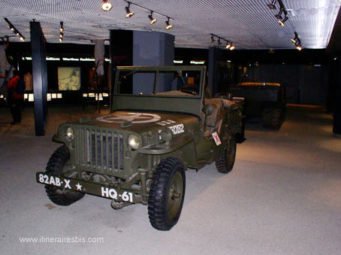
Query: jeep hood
140	122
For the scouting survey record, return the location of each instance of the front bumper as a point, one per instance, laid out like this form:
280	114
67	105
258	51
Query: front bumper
88	187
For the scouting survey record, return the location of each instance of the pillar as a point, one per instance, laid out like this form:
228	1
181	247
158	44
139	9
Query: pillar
213	73
39	74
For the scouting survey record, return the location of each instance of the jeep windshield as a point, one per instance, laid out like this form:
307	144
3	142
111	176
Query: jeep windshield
166	88
159	82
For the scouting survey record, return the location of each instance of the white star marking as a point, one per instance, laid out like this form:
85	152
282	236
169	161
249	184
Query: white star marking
78	186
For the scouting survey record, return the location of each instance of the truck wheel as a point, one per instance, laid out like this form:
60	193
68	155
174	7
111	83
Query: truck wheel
167	194
225	161
55	166
272	118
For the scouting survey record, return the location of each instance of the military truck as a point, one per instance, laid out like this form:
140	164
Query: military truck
139	152
265	100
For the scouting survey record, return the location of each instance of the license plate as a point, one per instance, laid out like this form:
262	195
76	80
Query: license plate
86	187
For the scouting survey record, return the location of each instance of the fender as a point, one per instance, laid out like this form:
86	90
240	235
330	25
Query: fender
174	145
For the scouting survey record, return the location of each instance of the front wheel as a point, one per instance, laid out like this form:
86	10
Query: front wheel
225	161
55	167
167	194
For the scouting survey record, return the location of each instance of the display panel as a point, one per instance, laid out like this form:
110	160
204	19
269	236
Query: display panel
69	78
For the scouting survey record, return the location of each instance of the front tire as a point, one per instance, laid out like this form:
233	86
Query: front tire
167	194
55	166
225	161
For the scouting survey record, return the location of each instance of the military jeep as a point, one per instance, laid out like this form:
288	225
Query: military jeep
158	127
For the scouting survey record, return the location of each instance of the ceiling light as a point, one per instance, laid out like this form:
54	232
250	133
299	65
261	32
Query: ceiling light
129	13
282	21
14	30
151	18
299	47
168	24
295	39
297	42
61	32
219	40
61	29
282	11
106	5
272	5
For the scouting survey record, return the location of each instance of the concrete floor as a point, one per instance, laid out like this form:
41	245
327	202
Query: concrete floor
282	197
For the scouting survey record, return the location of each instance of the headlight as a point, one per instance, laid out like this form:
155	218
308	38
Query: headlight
134	142
70	134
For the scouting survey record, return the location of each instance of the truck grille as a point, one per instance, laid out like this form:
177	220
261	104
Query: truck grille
100	148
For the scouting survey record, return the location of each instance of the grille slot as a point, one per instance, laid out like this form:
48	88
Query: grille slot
99	148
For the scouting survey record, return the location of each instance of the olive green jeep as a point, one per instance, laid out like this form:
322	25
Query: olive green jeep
161	123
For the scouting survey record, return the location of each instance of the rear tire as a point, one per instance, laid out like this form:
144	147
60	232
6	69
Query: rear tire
272	118
167	194
55	166
225	161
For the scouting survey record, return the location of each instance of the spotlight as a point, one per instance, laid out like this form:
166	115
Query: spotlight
281	21
272	5
151	18
61	32
220	40
279	16
14	30
61	29
106	5
295	39
168	24
129	13
297	42
232	46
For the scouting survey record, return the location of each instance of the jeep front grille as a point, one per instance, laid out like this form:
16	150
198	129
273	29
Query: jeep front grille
100	148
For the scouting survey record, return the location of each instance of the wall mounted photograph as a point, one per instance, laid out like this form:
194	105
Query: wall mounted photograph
69	78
